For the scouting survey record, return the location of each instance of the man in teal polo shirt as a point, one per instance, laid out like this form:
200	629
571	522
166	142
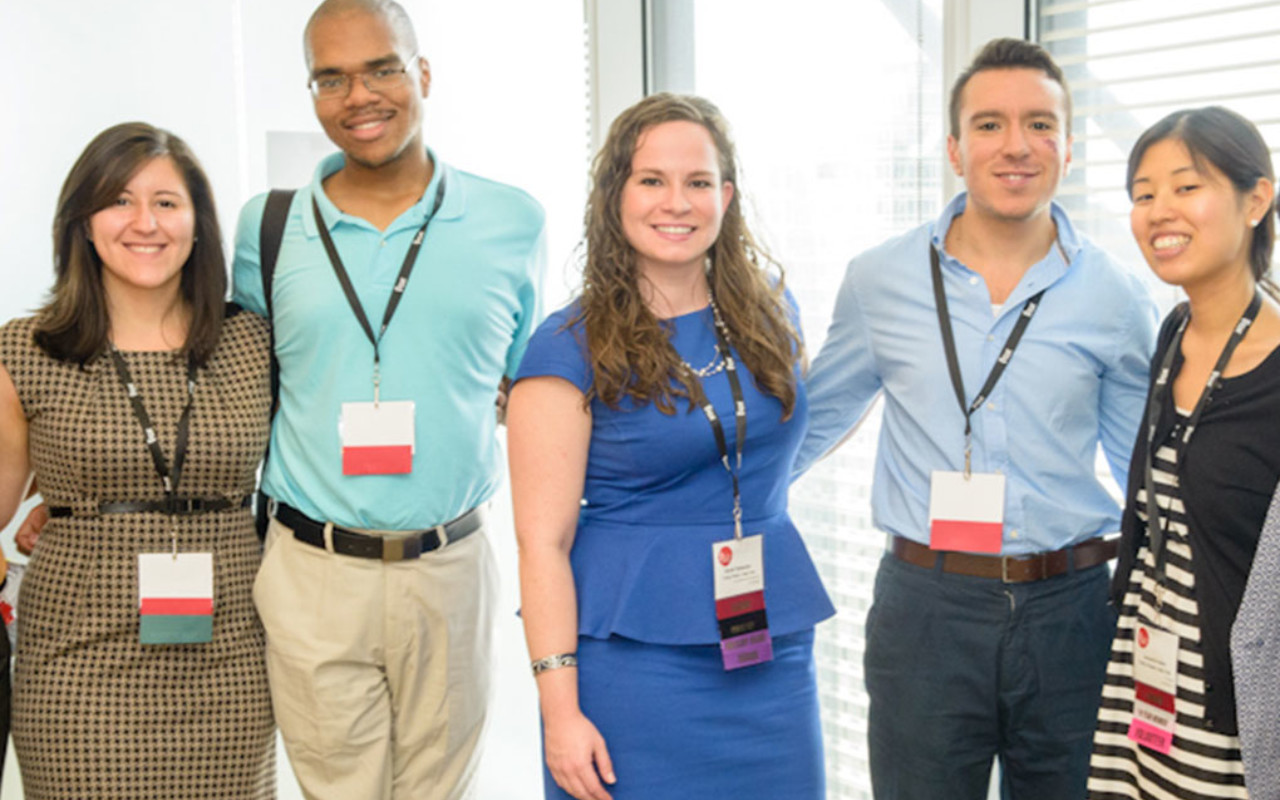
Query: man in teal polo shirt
377	587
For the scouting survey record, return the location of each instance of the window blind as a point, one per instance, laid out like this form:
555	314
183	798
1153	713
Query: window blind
1131	62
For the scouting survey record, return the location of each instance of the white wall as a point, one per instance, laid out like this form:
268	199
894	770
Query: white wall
509	101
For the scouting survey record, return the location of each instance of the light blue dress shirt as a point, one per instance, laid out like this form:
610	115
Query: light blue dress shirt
1078	377
464	320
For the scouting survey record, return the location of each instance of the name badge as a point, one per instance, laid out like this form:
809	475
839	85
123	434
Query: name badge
1155	686
175	598
738	566
966	514
377	438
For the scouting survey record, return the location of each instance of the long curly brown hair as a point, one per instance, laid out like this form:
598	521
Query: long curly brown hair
629	346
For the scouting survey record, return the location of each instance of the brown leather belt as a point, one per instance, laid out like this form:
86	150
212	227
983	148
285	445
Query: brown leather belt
1009	569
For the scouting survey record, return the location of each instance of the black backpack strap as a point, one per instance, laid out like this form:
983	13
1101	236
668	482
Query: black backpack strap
270	234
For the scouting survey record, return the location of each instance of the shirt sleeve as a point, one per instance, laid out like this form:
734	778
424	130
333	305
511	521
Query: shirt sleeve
246	269
557	350
1122	401
530	299
843	380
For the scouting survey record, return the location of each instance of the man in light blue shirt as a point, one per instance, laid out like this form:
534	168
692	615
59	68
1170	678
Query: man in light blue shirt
990	631
377	584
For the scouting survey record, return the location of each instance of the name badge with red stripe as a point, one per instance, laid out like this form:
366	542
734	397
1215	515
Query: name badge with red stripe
175	598
966	512
740	612
377	438
1155	686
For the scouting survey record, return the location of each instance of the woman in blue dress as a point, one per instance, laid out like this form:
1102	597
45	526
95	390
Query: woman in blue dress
668	600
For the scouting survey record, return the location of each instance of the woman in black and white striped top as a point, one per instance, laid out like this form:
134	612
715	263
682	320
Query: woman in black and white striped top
1206	463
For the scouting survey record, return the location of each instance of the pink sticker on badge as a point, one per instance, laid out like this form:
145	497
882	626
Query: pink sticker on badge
747	650
1151	737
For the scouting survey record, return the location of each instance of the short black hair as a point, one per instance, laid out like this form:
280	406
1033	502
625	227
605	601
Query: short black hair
1008	54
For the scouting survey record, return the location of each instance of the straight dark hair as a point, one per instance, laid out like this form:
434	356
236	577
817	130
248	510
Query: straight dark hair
1231	143
74	324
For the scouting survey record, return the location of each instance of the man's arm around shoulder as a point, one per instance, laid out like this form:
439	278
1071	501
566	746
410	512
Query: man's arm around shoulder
843	379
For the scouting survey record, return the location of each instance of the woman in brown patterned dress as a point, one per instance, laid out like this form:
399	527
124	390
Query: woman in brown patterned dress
141	404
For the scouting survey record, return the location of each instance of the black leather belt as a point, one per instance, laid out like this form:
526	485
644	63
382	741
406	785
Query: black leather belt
175	506
397	547
1009	569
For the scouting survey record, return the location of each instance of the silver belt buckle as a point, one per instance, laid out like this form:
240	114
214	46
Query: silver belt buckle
393	549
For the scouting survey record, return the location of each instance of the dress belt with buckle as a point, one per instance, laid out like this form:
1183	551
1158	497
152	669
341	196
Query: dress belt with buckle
1009	569
174	506
395	547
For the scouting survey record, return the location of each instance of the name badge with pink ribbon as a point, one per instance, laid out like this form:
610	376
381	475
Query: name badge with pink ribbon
1155	687
740	611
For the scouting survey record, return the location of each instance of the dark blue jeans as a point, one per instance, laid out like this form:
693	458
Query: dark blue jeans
961	670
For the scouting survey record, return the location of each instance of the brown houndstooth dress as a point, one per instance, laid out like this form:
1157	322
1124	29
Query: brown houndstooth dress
96	714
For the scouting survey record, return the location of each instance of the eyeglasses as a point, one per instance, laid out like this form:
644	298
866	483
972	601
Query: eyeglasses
331	86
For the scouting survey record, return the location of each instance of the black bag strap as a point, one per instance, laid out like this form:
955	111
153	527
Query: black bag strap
270	234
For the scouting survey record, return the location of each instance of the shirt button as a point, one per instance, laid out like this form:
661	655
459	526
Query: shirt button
991	406
1013	534
973	281
384	242
991	337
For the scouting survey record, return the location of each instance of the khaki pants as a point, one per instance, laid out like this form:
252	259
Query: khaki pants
380	673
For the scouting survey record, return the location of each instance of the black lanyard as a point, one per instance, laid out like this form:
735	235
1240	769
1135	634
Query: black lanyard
1155	527
397	291
169	479
953	362
739	417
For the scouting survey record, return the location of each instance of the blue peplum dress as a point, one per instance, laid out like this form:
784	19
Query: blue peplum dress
650	674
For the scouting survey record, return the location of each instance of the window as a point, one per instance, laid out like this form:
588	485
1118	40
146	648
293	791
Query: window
1129	63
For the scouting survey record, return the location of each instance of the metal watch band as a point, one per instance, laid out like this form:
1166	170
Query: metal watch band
554	662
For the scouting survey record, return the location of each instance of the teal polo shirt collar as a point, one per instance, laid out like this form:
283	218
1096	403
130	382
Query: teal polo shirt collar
453	206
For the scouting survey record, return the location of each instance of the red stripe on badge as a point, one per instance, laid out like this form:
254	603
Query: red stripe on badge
178	606
1153	696
739	604
394	459
965	535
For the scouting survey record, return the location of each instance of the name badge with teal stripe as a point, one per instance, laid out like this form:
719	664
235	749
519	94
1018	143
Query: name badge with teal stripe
175	598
